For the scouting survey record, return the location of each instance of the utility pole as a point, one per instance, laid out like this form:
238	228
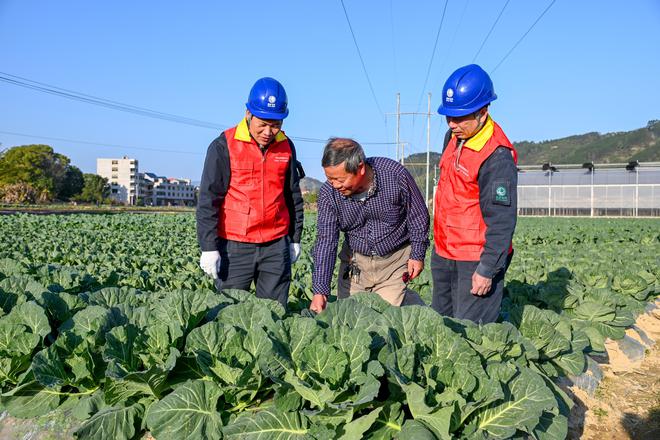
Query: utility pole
398	123
400	145
428	149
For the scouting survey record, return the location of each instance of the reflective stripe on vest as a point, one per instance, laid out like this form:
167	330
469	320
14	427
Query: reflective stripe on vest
254	209
458	225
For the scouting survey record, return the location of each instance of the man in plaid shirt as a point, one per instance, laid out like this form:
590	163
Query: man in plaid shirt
377	204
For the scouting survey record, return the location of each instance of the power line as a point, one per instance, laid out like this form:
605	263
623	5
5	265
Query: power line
75	141
394	60
428	70
453	37
114	105
442	127
364	67
524	35
126	147
324	141
129	108
458	27
490	31
444	61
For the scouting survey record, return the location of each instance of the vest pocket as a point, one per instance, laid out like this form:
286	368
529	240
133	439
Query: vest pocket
463	221
464	233
237	218
242	173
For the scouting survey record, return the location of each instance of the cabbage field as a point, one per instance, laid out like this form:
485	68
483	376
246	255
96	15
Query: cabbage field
109	319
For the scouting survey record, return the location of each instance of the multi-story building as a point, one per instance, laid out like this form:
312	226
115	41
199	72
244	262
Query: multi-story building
166	191
146	188
122	174
129	186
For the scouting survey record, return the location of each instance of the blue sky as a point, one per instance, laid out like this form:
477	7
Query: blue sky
585	66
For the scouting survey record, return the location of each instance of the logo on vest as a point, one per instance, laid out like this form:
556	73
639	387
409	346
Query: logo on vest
271	101
450	95
501	194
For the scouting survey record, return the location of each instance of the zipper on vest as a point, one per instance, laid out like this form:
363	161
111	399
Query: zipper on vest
263	183
457	164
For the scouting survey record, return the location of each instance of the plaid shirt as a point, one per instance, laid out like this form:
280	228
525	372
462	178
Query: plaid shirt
393	216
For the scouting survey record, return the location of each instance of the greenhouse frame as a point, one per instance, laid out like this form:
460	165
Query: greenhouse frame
616	189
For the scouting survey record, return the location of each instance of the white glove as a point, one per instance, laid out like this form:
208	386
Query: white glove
294	251
210	263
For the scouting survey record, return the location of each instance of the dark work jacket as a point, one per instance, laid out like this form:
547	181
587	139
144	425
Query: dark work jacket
500	218
214	185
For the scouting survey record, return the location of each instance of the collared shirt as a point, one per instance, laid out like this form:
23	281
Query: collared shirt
393	215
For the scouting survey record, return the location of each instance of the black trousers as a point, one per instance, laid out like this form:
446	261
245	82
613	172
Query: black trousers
452	282
268	265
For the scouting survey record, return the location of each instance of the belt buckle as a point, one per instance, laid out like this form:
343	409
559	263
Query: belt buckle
355	274
347	272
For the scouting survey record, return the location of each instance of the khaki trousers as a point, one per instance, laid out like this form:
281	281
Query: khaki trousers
382	275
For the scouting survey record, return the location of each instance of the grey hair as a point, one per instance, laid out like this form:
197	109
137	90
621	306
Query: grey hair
343	150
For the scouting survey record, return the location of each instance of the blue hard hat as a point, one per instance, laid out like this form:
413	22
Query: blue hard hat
268	100
467	90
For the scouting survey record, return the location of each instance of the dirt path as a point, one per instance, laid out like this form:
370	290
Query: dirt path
626	405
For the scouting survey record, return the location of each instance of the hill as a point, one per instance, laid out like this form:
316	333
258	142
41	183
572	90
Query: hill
310	184
642	144
415	163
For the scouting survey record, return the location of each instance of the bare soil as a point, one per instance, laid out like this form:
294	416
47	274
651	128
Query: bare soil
626	404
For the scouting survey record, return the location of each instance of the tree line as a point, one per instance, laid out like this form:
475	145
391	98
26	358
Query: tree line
37	174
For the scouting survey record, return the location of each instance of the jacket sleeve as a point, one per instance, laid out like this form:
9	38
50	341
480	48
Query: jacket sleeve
324	252
444	147
212	191
445	142
294	198
498	199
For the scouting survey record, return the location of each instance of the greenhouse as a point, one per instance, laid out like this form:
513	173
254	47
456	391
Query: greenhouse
625	189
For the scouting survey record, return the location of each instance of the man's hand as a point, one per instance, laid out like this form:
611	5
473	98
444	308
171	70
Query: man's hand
480	285
210	263
294	252
318	303
415	267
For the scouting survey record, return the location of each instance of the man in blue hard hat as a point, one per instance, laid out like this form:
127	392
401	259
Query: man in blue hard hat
475	202
250	208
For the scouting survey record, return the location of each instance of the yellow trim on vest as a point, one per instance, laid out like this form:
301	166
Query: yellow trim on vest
243	133
480	139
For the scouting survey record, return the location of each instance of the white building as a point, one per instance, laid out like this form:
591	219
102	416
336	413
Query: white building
166	191
122	174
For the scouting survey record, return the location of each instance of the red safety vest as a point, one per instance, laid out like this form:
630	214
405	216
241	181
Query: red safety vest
254	209
458	226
